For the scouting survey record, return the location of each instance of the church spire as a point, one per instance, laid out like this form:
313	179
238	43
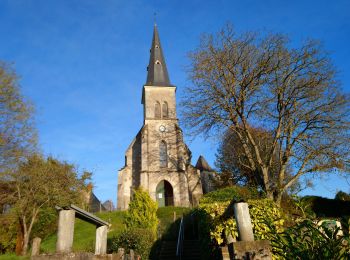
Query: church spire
157	72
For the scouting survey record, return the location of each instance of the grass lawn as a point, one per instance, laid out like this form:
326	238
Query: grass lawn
13	257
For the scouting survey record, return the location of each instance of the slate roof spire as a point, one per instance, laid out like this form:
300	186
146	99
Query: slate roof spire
157	72
203	165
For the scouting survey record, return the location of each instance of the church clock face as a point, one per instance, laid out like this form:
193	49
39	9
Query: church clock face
162	128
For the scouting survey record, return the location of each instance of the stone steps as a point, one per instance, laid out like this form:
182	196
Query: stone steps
191	250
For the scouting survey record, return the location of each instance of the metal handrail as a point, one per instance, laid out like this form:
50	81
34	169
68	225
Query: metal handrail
180	240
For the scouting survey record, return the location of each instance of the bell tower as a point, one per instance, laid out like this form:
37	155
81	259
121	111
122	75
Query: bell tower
160	151
158	160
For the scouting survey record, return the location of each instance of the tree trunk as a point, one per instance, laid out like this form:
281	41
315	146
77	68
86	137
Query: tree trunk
19	241
265	176
27	230
278	198
269	195
25	243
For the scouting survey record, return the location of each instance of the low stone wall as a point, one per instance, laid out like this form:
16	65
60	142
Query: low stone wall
241	250
77	256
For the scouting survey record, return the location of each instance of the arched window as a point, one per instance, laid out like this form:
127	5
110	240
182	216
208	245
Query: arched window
165	110
157	110
163	154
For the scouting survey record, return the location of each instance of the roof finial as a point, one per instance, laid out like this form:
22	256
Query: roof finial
155	18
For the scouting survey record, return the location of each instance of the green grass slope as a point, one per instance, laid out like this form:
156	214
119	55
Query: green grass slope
167	227
13	257
84	233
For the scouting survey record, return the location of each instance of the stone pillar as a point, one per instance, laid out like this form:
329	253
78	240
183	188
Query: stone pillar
244	224
101	240
225	253
121	253
36	246
132	254
65	231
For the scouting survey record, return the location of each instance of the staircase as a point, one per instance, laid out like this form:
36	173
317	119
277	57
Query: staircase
168	250
187	240
190	247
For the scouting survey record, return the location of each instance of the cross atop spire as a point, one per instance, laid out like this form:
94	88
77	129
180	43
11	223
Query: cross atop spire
157	72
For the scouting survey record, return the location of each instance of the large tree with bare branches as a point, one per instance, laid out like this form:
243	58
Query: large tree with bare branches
245	81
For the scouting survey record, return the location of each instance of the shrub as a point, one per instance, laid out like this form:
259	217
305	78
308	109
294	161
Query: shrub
141	225
308	241
139	240
264	215
216	217
142	212
8	232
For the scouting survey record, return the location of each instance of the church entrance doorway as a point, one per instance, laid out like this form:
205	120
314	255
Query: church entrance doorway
164	193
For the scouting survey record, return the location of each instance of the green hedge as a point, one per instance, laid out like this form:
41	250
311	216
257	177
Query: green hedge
230	193
139	240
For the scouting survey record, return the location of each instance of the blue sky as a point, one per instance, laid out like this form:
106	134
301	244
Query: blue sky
83	64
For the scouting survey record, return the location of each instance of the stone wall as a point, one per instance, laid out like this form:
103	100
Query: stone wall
77	256
194	185
257	250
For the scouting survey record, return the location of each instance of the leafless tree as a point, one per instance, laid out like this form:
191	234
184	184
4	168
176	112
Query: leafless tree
242	82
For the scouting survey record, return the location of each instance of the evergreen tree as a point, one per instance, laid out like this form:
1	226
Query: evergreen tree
142	211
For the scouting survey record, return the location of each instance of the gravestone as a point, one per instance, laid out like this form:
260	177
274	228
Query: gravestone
36	246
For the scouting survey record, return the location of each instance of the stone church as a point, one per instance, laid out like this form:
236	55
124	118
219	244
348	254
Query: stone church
157	159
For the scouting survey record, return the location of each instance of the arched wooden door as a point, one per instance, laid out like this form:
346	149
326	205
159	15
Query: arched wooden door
165	194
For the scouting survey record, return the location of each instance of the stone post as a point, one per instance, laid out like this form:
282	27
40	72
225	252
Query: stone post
101	240
225	253
121	253
244	224
36	246
65	231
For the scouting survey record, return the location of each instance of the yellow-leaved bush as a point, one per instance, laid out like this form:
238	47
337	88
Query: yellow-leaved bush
265	214
218	219
217	225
